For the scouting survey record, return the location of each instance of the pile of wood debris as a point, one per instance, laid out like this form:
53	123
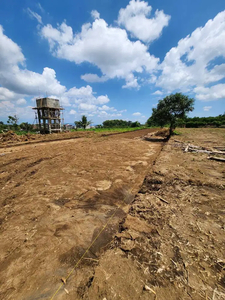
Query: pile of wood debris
217	150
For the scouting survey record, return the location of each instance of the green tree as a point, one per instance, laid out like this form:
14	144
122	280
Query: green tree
135	124
26	126
171	109
12	121
116	123
83	123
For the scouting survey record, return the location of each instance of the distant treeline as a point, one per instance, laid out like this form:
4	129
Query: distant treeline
12	124
204	121
196	122
119	124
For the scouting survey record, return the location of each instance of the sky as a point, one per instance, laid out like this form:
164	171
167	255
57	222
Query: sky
111	59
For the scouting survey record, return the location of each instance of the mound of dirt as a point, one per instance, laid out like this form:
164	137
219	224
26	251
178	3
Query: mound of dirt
158	136
163	132
11	136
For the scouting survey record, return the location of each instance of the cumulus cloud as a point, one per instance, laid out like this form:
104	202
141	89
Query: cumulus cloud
158	92
17	83
137	114
95	14
21	101
189	66
214	92
93	78
105	107
136	19
131	82
8	108
207	108
17	79
6	94
34	15
114	54
72	112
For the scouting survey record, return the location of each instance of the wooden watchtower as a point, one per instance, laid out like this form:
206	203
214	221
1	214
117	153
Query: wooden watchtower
49	115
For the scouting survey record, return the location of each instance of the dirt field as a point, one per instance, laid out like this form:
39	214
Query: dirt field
55	197
165	236
173	250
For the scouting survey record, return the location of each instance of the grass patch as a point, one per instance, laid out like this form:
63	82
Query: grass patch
124	129
175	132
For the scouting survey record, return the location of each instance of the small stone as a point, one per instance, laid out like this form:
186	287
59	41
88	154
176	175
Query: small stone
63	280
147	288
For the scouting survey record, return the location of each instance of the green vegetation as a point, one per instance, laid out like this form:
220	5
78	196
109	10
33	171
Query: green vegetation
115	129
196	122
120	124
20	129
171	109
83	123
12	121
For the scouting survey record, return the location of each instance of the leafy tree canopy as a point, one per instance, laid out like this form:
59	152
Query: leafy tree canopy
170	109
13	120
120	124
83	123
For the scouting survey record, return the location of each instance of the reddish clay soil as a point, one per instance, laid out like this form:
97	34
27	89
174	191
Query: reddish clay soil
55	198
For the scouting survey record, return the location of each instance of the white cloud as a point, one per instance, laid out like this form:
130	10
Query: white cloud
131	82
20	80
104	114
93	78
16	83
7	108
137	114
21	101
72	112
40	7
114	54
105	107
34	15
95	14
214	92
135	18
102	100
6	94
87	107
207	108
188	66
158	92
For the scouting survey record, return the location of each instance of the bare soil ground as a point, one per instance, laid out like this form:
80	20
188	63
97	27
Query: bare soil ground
55	198
11	138
171	244
165	237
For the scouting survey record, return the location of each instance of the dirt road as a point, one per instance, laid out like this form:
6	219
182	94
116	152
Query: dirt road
55	197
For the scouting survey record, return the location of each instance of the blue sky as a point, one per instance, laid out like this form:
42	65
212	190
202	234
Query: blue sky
111	59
